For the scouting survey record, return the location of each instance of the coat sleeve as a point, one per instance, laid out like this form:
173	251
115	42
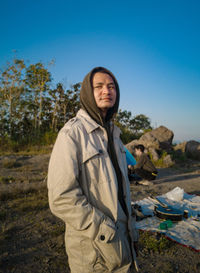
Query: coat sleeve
66	198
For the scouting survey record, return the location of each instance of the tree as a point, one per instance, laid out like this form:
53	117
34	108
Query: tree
131	127
32	112
64	103
139	124
37	80
58	111
123	118
73	100
12	88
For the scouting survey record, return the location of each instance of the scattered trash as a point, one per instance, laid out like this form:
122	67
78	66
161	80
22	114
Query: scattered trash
176	194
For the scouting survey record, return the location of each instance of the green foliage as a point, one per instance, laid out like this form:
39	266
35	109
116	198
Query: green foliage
126	135
131	127
160	162
154	242
179	156
32	112
48	138
139	124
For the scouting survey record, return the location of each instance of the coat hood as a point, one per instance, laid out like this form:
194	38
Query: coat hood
87	99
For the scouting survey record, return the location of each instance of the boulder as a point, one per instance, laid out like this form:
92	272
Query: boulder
154	153
159	138
192	149
180	148
167	161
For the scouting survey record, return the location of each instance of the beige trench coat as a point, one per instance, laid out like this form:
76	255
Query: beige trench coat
83	187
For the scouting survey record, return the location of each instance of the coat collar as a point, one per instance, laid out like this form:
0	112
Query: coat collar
91	125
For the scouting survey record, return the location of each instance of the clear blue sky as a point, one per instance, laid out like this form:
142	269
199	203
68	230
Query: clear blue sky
152	47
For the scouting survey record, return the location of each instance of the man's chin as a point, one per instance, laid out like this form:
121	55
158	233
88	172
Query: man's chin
107	105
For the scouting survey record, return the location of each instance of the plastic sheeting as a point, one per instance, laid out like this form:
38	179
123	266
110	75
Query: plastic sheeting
185	232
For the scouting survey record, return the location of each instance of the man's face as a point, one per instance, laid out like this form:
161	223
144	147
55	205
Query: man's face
137	152
104	91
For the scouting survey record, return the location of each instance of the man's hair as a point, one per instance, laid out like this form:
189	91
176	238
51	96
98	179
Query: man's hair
139	147
101	70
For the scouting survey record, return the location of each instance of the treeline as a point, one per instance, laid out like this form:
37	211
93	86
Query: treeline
32	112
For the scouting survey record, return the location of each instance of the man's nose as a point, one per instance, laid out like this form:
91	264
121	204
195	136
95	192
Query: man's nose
106	89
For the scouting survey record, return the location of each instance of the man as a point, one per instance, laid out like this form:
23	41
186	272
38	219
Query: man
88	183
144	171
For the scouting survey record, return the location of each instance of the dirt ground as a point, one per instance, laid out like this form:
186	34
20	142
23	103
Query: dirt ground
31	238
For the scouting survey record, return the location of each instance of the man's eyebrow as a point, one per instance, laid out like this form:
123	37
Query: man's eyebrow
101	83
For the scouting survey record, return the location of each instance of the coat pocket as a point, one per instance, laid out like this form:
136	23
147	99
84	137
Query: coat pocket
116	252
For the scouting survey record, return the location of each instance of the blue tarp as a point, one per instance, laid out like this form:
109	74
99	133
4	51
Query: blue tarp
129	157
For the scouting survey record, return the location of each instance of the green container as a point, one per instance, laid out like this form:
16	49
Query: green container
166	224
163	226
169	223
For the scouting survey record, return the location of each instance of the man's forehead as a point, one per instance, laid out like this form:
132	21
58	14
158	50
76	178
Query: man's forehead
100	77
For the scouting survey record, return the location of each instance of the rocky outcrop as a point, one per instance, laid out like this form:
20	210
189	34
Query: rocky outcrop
154	154
155	142
167	161
180	148
157	139
192	149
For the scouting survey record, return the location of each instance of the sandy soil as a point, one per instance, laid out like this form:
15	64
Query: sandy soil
31	238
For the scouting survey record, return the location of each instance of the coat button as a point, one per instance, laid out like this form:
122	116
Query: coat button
102	237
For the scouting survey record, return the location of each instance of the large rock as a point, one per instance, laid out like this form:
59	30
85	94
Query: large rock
180	147
158	139
179	150
167	161
154	154
192	149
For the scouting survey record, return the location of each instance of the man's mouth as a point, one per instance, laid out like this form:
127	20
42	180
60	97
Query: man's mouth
107	99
